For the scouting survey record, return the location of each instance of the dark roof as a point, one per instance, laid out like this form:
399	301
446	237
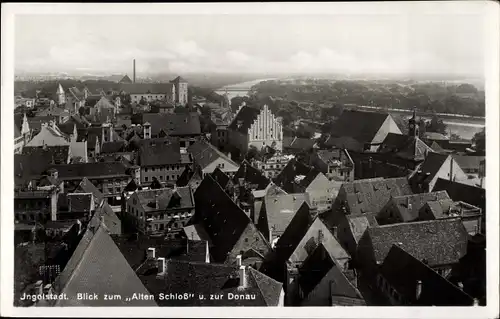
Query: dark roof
370	195
162	154
90	170
86	186
468	162
432	164
314	269
405	146
417	201
208	278
145	88
244	119
220	177
92	100
80	202
289	240
60	153
165	198
402	271
358	225
178	80
176	124
94	274
298	143
214	210
113	147
296	176
462	192
251	175
27	167
134	250
439	242
360	125
189	176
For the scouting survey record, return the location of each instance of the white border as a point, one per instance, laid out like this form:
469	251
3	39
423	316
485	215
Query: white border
490	11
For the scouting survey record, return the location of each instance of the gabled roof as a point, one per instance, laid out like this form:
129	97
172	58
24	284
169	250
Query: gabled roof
162	154
80	202
298	143
432	164
251	175
360	125
176	124
279	210
189	176
439	242
316	266
145	88
296	176
416	202
178	80
244	119
437	148
214	211
205	153
59	154
91	170
165	198
125	79
403	270
209	278
406	147
317	234
358	225
113	147
88	271
370	195
220	177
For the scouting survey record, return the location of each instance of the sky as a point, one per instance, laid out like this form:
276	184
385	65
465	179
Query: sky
398	42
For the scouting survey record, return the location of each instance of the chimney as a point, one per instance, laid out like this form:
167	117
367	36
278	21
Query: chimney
207	253
151	253
134	72
238	260
460	285
161	266
451	169
476	302
243	278
156	201
418	291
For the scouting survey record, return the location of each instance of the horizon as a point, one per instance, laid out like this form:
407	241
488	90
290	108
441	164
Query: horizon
399	43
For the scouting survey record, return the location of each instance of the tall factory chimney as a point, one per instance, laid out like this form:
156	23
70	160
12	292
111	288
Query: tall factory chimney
134	71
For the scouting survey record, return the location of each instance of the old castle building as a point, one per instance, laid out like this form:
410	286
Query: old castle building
255	127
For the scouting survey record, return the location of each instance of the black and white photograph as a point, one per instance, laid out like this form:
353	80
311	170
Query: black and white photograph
294	156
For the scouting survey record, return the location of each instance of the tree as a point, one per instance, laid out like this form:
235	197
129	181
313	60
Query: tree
143	101
436	125
479	140
252	153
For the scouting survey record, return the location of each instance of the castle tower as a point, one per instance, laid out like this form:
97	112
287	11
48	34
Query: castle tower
181	91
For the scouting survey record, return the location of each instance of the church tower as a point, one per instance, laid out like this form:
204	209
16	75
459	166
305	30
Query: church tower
60	95
413	124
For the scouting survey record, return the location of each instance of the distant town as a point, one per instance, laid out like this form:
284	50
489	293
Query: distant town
278	192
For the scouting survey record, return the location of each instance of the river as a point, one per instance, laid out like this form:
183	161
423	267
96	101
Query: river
463	127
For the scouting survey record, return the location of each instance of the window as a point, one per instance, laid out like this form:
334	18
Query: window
146	178
110	190
161	177
146	170
168	177
153	169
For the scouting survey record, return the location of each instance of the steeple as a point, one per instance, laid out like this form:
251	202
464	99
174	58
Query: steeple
413	124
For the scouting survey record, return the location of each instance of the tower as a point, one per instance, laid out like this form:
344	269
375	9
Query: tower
413	124
60	95
181	90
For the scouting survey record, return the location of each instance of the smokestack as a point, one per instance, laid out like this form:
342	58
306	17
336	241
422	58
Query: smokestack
134	72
